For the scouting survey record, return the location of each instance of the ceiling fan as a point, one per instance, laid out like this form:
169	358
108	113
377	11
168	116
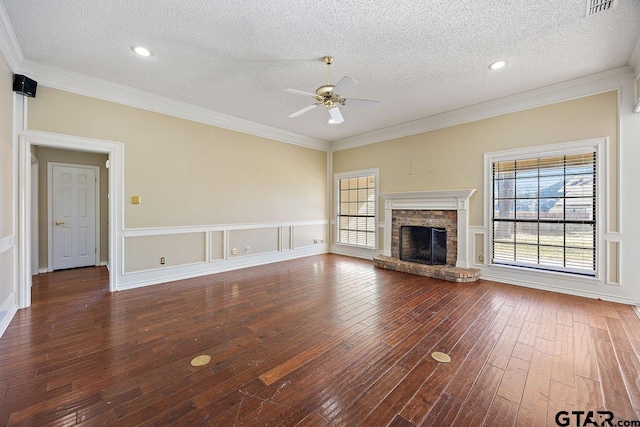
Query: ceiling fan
328	95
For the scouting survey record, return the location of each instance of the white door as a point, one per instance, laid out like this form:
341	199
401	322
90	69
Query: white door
74	216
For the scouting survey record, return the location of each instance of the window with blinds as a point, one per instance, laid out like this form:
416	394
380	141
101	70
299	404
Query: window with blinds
356	211
544	213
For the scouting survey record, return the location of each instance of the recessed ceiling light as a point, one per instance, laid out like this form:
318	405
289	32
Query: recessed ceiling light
142	51
497	65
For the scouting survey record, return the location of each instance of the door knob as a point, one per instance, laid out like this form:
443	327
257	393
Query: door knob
59	223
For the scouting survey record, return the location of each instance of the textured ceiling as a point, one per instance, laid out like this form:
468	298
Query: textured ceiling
418	58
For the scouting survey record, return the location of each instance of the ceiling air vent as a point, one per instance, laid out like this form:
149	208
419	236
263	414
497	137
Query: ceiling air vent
597	6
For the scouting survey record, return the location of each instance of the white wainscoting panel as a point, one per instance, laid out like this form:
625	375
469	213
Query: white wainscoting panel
9	306
267	243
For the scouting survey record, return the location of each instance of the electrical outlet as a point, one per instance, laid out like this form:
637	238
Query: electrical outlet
163	260
234	251
481	258
247	249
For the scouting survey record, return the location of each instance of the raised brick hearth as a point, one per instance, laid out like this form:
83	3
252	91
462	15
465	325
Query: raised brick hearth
442	272
441	209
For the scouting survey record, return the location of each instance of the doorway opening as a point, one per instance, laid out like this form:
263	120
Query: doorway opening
50	148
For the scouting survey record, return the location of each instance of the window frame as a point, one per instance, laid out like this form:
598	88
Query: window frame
597	145
336	185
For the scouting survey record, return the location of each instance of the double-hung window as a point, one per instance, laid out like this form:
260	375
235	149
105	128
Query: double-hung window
544	212
356	208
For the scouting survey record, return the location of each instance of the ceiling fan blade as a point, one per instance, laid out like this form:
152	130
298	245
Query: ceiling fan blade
361	103
344	84
336	115
300	92
304	110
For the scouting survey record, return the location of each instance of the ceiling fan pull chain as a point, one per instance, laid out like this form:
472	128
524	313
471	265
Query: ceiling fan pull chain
328	60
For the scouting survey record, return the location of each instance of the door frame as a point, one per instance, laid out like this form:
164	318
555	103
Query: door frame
115	151
35	255
50	166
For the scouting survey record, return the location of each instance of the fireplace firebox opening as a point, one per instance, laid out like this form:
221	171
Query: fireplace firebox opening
424	245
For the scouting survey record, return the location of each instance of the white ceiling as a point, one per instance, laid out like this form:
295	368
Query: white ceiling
418	58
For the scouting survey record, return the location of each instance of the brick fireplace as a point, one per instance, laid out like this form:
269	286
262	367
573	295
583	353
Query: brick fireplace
447	220
442	210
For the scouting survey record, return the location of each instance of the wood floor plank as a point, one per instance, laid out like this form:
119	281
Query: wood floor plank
584	358
423	400
450	402
313	420
501	353
322	340
613	384
480	397
563	369
501	413
297	361
561	398
535	397
514	380
588	395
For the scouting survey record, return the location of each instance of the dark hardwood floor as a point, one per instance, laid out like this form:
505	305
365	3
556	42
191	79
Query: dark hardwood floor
324	340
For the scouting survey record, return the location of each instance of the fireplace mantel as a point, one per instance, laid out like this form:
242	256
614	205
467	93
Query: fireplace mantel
457	200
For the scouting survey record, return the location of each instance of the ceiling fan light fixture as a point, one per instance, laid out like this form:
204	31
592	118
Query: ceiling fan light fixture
142	51
497	65
328	96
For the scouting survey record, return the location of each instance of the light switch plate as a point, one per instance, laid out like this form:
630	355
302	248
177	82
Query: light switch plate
136	200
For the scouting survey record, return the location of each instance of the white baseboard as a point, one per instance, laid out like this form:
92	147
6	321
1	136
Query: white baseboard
7	311
637	310
46	270
171	274
561	290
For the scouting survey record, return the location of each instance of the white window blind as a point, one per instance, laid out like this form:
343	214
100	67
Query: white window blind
544	213
356	211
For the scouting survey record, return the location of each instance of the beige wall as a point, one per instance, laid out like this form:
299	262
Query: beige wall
6	178
189	173
453	157
46	155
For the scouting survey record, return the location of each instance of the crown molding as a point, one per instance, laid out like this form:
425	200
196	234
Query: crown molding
81	84
8	42
572	89
70	81
634	61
